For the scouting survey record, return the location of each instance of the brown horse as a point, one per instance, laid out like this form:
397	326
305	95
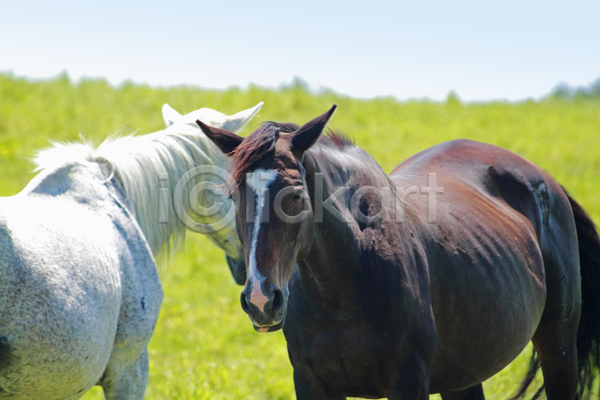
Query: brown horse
428	280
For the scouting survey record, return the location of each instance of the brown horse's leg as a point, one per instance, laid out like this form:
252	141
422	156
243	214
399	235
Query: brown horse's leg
411	380
472	393
307	388
558	358
556	335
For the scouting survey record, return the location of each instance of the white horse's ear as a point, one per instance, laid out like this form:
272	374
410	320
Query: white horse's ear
170	115
237	122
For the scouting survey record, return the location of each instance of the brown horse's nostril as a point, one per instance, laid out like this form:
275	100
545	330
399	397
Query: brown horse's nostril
277	300
244	301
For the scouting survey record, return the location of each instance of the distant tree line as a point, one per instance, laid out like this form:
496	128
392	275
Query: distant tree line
567	92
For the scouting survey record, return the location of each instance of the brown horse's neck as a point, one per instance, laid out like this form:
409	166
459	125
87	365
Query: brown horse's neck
330	270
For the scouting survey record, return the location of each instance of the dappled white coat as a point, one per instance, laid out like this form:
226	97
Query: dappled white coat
79	289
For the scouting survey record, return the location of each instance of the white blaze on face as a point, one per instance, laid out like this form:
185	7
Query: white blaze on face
259	180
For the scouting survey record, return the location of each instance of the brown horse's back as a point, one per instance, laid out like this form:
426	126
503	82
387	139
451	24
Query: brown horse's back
492	252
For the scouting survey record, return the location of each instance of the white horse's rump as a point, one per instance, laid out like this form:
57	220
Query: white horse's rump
79	290
75	269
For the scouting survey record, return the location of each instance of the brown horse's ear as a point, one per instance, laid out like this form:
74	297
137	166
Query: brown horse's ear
308	133
225	140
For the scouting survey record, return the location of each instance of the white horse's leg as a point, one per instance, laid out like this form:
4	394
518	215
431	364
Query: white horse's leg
124	382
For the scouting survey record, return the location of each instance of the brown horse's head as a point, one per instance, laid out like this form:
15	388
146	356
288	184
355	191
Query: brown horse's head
273	211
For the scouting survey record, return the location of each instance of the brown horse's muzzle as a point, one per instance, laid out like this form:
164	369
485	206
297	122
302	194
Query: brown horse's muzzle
266	305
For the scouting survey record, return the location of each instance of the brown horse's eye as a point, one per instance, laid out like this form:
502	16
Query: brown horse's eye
297	197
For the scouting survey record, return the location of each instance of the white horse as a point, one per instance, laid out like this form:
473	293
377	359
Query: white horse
79	289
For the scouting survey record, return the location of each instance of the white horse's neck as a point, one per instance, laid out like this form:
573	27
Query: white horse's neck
149	167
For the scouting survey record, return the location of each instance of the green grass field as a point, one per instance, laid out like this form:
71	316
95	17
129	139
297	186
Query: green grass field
204	346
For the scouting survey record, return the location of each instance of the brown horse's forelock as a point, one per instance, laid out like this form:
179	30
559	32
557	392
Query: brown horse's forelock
263	140
256	146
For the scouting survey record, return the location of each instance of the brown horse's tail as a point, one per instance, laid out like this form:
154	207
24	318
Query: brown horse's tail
588	333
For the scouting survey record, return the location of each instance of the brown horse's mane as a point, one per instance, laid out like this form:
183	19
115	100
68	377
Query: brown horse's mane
262	141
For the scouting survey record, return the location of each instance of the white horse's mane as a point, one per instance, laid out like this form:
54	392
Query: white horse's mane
145	165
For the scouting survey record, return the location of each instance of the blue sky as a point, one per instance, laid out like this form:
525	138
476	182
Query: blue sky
482	50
